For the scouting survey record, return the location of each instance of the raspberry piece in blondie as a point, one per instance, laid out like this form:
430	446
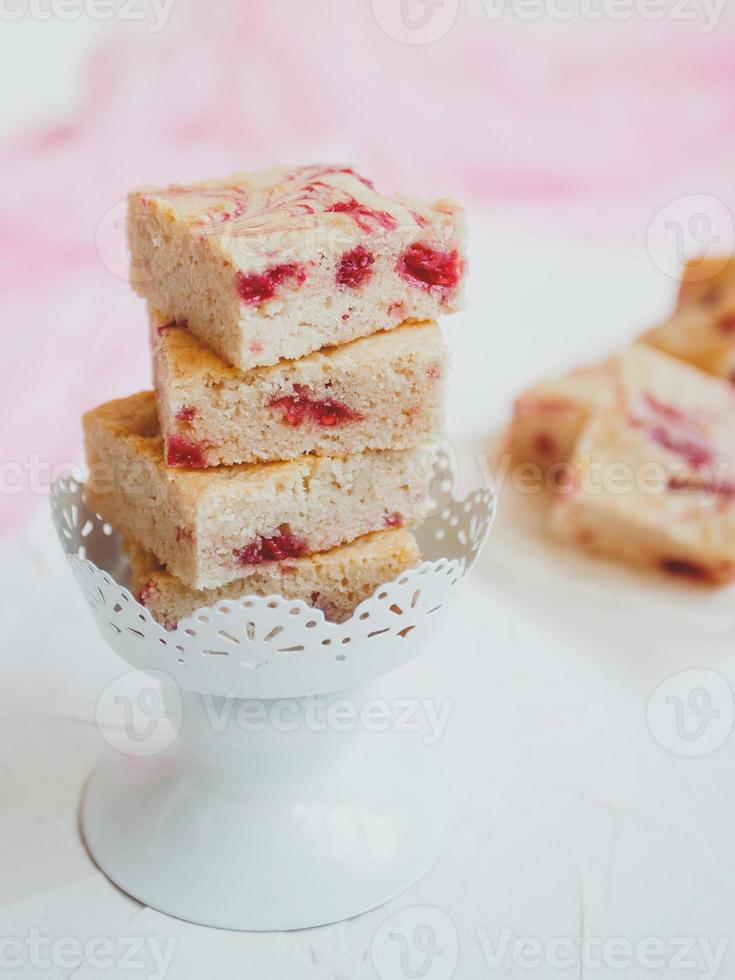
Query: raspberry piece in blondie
334	581
429	268
212	526
355	267
276	264
380	392
301	406
701	329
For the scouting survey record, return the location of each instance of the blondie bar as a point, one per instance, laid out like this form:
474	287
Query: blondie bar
639	382
653	491
385	391
334	581
702	327
211	526
276	264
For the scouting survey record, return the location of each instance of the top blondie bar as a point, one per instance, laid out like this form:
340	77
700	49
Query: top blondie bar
280	263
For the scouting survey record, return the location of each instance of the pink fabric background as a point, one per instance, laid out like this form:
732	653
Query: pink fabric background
583	132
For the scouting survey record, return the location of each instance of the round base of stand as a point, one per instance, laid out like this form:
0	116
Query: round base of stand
271	853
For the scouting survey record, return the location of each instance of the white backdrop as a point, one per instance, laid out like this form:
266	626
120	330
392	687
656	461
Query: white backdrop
579	813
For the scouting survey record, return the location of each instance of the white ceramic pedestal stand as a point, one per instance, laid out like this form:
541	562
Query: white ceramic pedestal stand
269	812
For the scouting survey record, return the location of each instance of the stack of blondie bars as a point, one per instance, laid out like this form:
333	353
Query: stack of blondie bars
299	377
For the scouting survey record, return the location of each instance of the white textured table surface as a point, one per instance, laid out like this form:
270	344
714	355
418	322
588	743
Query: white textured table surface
578	817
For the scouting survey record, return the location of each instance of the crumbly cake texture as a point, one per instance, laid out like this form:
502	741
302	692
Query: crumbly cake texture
277	264
701	329
656	493
212	526
385	391
335	581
